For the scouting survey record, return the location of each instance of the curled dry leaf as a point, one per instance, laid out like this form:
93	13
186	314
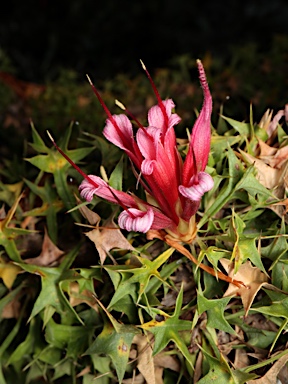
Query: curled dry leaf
251	276
49	256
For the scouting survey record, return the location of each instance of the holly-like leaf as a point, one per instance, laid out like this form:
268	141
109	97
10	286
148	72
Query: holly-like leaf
51	205
278	308
169	330
220	372
74	338
215	312
242	128
51	297
235	172
113	344
9	232
140	276
244	247
115	341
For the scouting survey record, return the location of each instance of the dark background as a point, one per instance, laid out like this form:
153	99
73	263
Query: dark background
108	37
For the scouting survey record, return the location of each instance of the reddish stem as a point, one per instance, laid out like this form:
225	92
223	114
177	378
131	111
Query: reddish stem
206	268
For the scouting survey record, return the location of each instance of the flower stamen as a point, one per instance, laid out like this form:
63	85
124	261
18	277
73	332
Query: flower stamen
160	102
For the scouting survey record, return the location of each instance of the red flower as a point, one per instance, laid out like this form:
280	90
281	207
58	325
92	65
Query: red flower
173	189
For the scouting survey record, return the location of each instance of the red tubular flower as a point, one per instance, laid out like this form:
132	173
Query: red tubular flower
173	189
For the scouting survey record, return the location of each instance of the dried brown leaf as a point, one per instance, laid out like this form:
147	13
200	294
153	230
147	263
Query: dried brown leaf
280	158
275	121
163	360
265	149
92	217
198	367
275	157
251	276
49	256
283	375
145	359
107	238
241	359
266	175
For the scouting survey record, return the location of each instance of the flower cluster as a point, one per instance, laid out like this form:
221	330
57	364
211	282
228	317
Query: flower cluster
173	188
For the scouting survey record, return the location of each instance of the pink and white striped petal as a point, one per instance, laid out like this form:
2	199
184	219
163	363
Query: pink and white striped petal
101	189
196	191
135	220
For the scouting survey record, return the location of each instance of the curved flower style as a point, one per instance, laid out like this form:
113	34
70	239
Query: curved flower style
173	189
